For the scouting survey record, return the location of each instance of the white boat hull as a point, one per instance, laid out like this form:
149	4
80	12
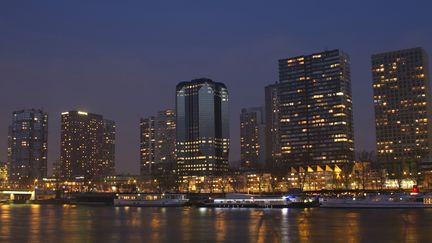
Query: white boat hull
150	203
369	204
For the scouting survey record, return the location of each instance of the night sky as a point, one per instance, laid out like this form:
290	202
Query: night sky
123	59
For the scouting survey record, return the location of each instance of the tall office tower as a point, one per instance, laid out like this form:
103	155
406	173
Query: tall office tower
202	127
28	146
147	146
84	143
252	138
165	137
272	141
158	143
316	124
402	108
108	148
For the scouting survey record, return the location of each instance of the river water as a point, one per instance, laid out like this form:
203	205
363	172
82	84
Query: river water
55	223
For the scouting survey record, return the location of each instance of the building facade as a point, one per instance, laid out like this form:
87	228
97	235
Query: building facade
165	134
57	169
28	146
252	138
4	171
147	146
272	141
315	110
402	103
202	144
158	143
108	148
87	146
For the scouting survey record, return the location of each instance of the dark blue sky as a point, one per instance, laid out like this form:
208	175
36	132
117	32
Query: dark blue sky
123	59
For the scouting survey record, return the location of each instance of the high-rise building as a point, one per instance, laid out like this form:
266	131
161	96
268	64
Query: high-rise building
158	143
147	146
28	146
402	103
202	144
108	148
165	138
315	110
87	146
57	169
252	138
272	141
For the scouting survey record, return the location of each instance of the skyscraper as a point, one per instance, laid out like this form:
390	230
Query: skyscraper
158	143
165	138
252	138
108	148
87	146
202	127
28	146
316	124
402	103
147	146
272	142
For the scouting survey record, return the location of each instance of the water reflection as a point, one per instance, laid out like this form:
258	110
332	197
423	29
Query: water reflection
220	225
409	234
303	226
51	223
34	225
5	222
185	225
155	224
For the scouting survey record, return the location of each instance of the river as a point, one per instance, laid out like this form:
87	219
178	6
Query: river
56	223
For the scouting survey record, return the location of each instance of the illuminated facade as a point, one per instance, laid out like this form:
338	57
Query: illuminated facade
87	146
158	143
402	108
252	138
202	144
4	171
315	109
272	142
28	146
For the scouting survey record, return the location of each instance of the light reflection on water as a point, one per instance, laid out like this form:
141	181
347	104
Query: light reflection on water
52	223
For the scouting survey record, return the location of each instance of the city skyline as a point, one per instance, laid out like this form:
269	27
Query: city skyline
59	79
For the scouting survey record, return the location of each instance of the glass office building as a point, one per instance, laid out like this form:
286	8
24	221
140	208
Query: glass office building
202	143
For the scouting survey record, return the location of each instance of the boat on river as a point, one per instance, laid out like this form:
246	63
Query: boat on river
401	200
236	200
151	200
